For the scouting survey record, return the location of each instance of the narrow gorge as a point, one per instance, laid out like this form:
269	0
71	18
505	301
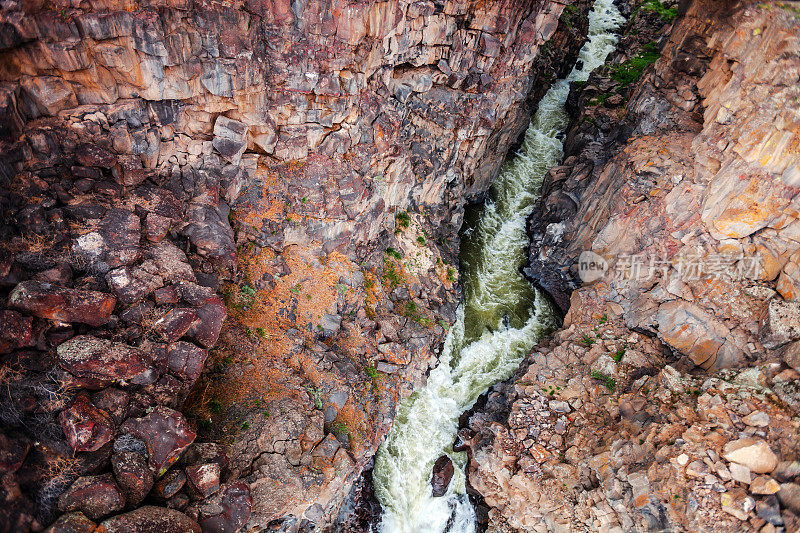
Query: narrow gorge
399	266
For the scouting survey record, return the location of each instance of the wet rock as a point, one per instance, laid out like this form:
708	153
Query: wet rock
15	331
755	454
94	496
60	303
442	474
133	476
204	479
234	507
105	362
87	428
166	434
150	519
72	523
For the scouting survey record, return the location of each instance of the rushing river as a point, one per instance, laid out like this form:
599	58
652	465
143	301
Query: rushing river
500	320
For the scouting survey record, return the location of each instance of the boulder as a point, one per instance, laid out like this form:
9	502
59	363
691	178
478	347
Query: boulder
204	479
72	523
692	331
234	507
94	496
789	496
150	519
186	361
230	138
442	474
133	476
175	324
170	484
165	432
105	362
113	243
753	453
211	316
780	323
15	331
60	303
87	428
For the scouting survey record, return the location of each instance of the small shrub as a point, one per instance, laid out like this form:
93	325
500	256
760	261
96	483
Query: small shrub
215	406
451	274
261	332
316	396
391	252
371	371
620	353
403	220
666	14
608	381
632	69
588	340
421	239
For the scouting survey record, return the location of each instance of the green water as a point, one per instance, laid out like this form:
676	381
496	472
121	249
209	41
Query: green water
501	318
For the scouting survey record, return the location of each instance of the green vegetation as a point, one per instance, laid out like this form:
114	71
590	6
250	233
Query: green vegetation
316	396
215	406
371	371
392	274
261	332
620	353
570	15
608	381
666	14
245	426
403	220
451	274
391	252
632	69
421	239
340	428
588	340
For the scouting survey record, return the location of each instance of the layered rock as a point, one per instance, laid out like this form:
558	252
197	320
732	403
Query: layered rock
299	169
667	234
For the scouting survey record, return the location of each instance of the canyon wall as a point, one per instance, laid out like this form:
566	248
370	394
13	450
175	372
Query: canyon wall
228	241
670	398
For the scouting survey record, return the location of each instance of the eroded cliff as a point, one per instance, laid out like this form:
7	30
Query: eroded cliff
670	399
252	205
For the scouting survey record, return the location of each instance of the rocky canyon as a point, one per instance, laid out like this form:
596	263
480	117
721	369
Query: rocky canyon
230	249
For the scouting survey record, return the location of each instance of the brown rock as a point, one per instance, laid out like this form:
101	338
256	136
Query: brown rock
204	479
764	485
166	434
15	331
235	506
170	484
87	428
72	523
150	519
186	360
133	476
60	303
442	474
176	324
105	362
94	496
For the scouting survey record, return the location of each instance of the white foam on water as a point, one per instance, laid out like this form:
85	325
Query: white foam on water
500	320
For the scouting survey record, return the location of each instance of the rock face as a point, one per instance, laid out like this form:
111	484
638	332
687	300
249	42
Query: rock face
669	399
299	170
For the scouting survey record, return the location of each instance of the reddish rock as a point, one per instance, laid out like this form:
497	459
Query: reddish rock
114	401
235	506
15	331
166	434
169	485
13	450
156	227
166	295
442	474
72	523
205	452
60	303
204	479
186	360
87	428
94	496
150	519
114	243
133	476
91	155
105	362
128	287
175	324
211	316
